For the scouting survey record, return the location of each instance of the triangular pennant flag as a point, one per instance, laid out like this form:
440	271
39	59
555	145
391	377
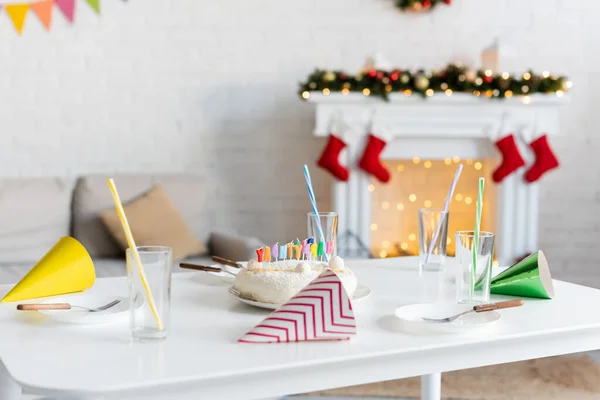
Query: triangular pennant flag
43	10
17	14
67	7
320	311
95	4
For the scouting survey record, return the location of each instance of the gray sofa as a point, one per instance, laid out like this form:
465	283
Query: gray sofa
36	212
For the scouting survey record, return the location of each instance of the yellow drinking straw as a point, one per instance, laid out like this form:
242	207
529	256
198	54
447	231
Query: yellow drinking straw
132	246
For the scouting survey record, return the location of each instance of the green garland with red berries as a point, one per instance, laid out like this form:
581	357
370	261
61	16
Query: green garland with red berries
420	5
452	79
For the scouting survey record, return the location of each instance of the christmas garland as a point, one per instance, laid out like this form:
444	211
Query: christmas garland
452	79
420	5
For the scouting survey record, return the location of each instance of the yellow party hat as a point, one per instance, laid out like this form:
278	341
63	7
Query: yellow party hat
66	268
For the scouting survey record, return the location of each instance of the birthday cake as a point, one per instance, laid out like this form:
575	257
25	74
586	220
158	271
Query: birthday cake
269	279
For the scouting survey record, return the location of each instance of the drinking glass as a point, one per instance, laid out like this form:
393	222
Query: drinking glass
156	262
428	222
473	282
329	223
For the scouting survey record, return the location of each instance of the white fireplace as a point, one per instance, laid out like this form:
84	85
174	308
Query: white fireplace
431	136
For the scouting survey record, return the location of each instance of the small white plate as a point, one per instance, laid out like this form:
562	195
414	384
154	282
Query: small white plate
412	318
81	317
361	292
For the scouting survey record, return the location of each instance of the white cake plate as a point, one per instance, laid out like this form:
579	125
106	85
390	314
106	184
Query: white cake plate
361	293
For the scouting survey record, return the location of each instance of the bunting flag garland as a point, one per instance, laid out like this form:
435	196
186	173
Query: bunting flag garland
17	12
43	10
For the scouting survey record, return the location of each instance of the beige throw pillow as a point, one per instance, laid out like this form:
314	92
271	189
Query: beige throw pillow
154	220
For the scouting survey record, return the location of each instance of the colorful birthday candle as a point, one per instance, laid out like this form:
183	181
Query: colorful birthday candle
310	240
275	251
282	252
289	250
306	250
329	247
259	254
313	250
321	249
297	251
267	255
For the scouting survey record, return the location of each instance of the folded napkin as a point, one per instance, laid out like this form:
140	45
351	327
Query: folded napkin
320	311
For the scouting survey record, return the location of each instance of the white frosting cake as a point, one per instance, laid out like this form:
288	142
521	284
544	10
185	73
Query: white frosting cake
278	281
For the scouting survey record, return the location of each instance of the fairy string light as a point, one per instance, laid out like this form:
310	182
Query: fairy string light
450	80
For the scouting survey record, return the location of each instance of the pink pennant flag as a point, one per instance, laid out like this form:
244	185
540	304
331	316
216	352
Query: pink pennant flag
320	311
67	7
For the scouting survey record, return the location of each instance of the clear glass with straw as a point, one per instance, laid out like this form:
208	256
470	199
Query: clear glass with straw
317	220
144	296
157	262
329	224
432	221
433	229
474	252
474	269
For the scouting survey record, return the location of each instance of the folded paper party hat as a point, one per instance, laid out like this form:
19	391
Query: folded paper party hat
66	268
320	311
529	277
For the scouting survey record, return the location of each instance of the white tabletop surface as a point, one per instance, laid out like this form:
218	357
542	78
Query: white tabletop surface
201	354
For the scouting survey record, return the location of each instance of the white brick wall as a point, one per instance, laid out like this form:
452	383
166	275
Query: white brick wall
209	86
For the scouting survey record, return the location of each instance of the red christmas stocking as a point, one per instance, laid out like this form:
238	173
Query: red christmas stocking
511	158
545	160
329	159
370	161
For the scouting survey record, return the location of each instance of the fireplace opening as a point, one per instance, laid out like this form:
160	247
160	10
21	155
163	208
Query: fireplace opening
423	183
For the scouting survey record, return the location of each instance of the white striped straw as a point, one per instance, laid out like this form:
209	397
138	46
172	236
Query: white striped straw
313	203
444	212
476	233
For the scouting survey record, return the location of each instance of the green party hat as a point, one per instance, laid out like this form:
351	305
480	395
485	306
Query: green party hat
529	277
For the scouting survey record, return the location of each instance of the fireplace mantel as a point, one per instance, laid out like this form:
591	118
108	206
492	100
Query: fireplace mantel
437	127
456	116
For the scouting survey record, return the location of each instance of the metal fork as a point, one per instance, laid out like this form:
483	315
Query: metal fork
64	306
204	268
478	309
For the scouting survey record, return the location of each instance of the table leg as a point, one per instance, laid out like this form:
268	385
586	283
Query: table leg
9	390
431	387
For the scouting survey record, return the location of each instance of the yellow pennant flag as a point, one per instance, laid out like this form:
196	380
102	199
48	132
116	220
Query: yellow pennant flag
17	14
